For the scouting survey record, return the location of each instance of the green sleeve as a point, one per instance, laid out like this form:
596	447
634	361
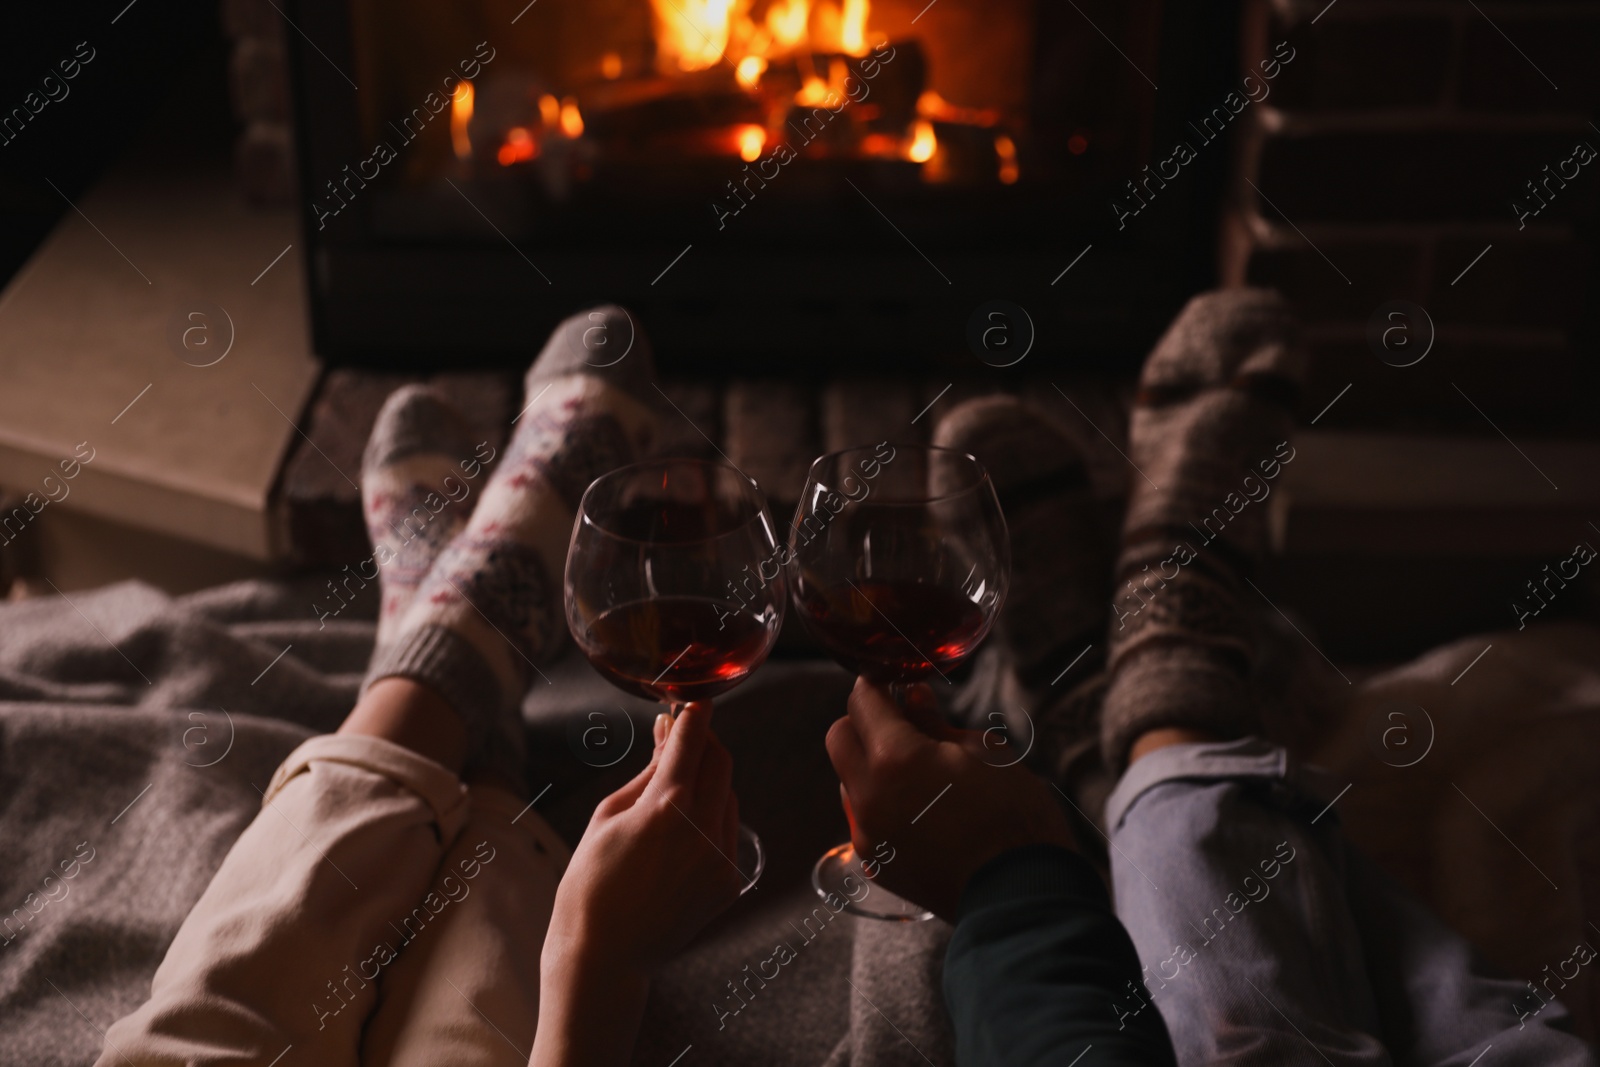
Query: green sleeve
1039	969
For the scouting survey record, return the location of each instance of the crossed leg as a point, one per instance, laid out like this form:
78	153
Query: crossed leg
379	908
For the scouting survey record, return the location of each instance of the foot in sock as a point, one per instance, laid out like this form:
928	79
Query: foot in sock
419	470
1059	559
491	607
1209	434
1061	575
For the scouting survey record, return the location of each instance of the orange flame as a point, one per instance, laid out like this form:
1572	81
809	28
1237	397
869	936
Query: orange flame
699	34
571	120
786	22
460	119
694	34
853	28
549	111
814	93
752	139
923	142
749	71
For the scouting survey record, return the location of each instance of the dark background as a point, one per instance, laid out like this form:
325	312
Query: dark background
157	57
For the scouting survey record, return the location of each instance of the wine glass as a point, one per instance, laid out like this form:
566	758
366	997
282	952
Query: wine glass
674	588
899	560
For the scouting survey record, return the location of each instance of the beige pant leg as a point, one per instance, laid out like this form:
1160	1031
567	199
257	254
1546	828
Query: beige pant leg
467	993
279	952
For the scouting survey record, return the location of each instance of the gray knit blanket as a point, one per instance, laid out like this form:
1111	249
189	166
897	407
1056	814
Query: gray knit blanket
137	729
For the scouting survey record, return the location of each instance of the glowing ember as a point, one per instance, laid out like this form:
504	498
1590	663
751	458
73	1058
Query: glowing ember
519	146
549	110
930	105
460	119
611	65
1006	149
923	142
571	121
814	93
881	145
752	139
749	71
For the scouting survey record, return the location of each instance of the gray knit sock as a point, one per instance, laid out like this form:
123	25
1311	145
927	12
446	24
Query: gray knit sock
490	608
1209	438
1054	615
419	475
1060	561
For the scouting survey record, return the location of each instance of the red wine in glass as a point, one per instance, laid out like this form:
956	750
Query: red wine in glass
899	560
674	586
678	649
892	631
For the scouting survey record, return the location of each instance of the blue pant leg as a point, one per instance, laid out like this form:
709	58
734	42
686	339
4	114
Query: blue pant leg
1236	902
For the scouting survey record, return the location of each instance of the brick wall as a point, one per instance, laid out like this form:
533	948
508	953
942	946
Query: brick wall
258	87
1396	142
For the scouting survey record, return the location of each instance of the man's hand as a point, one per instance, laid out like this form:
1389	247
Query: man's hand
922	788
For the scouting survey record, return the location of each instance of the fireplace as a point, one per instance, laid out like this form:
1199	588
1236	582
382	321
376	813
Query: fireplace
776	186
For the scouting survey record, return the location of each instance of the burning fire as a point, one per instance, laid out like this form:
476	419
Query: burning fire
853	27
571	121
549	110
557	118
923	142
814	93
752	139
786	22
761	63
749	71
699	34
460	119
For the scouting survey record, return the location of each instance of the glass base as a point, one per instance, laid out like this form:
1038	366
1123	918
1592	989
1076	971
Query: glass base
751	859
840	879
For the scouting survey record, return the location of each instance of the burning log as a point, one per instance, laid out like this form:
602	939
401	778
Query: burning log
639	109
865	104
897	78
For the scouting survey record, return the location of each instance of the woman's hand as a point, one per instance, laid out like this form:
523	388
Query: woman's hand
655	865
657	861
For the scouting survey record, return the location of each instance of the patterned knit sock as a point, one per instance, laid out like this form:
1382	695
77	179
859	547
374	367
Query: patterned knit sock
417	475
1209	436
491	606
